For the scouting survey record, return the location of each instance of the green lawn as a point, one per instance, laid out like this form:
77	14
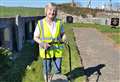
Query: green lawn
114	33
77	70
19	72
116	38
23	11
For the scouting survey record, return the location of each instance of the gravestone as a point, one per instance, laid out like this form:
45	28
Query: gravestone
114	22
69	19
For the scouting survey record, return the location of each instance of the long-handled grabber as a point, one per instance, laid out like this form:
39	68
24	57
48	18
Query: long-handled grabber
46	65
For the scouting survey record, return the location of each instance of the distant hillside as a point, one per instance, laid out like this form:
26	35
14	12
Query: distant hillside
26	11
75	10
83	11
23	11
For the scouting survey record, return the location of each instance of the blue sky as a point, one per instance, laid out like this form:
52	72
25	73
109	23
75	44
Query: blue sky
42	3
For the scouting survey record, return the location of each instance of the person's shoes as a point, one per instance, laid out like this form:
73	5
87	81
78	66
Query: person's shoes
49	78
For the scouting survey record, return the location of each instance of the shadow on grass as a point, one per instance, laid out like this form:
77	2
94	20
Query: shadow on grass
80	71
59	80
75	73
17	71
92	70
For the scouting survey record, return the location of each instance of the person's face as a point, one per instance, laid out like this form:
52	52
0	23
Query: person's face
51	12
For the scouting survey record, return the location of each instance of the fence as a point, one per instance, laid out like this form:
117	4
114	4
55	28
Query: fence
14	31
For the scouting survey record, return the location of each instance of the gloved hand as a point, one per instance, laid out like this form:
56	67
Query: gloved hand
44	45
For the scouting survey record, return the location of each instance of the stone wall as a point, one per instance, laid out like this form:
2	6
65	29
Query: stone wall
6	25
13	31
89	19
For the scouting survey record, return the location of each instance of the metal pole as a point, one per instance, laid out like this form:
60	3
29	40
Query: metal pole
46	65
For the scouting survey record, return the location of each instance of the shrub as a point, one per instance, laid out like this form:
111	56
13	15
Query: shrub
4	57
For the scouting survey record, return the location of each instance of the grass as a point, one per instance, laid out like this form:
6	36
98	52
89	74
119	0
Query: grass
17	71
20	71
77	71
23	11
36	75
115	36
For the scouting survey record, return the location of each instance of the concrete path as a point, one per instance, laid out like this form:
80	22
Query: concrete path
101	59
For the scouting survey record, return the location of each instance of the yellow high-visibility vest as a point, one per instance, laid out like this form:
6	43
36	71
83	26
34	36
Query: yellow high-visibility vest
45	36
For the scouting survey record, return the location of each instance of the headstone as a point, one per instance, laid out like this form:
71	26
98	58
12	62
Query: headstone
69	19
114	22
20	33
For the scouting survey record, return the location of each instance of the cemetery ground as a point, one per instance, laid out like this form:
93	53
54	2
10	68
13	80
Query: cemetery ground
19	71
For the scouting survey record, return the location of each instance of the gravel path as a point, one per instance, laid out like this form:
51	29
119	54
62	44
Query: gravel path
101	60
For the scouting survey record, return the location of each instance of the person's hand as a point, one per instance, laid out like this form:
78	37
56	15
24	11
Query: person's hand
64	38
44	45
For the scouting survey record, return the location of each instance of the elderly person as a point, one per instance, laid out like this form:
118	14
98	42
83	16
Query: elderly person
50	30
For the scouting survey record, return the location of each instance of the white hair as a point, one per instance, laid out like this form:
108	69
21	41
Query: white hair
53	5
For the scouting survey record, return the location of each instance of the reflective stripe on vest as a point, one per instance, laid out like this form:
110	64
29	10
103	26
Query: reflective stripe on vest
50	38
56	47
41	23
